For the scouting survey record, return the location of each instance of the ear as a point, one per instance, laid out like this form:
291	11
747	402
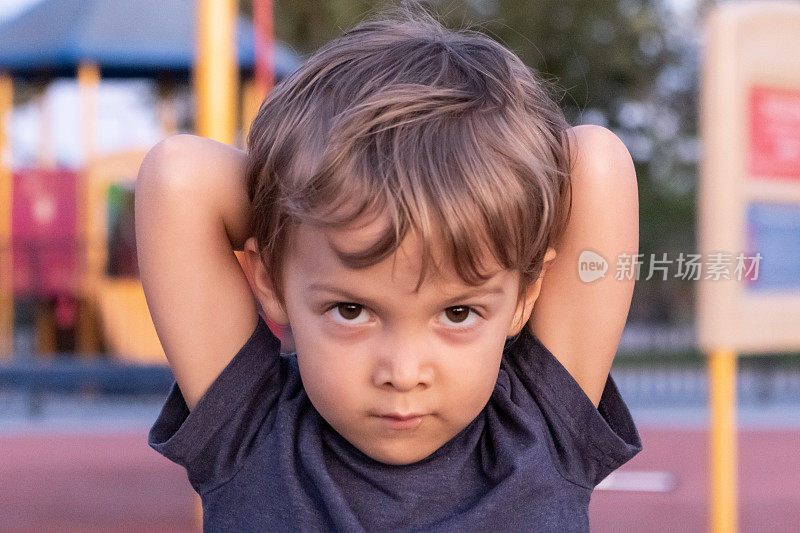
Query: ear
256	273
525	307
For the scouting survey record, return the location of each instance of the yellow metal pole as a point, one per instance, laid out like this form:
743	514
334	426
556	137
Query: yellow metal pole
216	71
723	455
216	81
88	82
6	184
251	102
199	511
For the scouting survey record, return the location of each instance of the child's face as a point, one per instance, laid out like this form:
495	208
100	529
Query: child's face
435	353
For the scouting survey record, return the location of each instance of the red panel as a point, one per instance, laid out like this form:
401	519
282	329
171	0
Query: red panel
774	133
44	232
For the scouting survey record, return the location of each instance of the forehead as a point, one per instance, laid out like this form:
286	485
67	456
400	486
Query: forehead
313	256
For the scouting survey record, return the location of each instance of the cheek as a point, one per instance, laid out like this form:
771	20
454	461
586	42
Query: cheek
485	375
329	374
472	374
331	385
486	368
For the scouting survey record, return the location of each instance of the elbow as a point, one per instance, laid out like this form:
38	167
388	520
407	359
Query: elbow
166	162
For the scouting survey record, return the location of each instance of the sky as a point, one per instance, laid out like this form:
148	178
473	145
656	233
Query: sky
10	7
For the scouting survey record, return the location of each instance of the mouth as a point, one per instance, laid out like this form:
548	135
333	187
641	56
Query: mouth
401	422
398	416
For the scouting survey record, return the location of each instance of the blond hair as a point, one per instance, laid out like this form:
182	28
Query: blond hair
446	133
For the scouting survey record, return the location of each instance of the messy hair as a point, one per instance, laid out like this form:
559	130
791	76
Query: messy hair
445	133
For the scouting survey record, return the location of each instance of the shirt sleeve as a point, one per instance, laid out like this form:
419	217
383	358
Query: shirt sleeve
590	442
213	440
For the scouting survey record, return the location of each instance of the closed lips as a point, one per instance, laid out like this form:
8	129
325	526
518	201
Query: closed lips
402	417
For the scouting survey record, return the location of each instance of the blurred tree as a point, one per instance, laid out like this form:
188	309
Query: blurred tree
308	24
604	52
629	65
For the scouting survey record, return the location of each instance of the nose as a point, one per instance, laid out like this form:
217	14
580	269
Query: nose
403	363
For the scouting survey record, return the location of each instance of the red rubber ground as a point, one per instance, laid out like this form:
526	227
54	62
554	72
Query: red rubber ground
116	483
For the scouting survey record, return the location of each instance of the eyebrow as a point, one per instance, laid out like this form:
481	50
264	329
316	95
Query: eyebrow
490	291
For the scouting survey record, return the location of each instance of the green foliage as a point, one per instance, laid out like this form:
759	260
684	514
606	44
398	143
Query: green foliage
308	24
600	51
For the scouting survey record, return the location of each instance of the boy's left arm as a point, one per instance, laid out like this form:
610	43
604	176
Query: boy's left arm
581	322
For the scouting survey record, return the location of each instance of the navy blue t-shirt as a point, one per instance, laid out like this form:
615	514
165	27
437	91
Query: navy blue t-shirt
263	459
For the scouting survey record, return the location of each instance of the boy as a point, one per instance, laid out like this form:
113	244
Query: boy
403	194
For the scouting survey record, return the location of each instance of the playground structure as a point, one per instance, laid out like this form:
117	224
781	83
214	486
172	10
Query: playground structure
67	244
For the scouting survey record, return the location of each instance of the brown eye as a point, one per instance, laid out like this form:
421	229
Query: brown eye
349	311
457	314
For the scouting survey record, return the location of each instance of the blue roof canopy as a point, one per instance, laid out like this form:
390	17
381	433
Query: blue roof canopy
126	38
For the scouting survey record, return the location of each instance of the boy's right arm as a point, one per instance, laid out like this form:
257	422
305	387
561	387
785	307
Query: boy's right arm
191	211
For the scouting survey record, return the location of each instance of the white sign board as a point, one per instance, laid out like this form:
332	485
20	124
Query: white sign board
748	297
